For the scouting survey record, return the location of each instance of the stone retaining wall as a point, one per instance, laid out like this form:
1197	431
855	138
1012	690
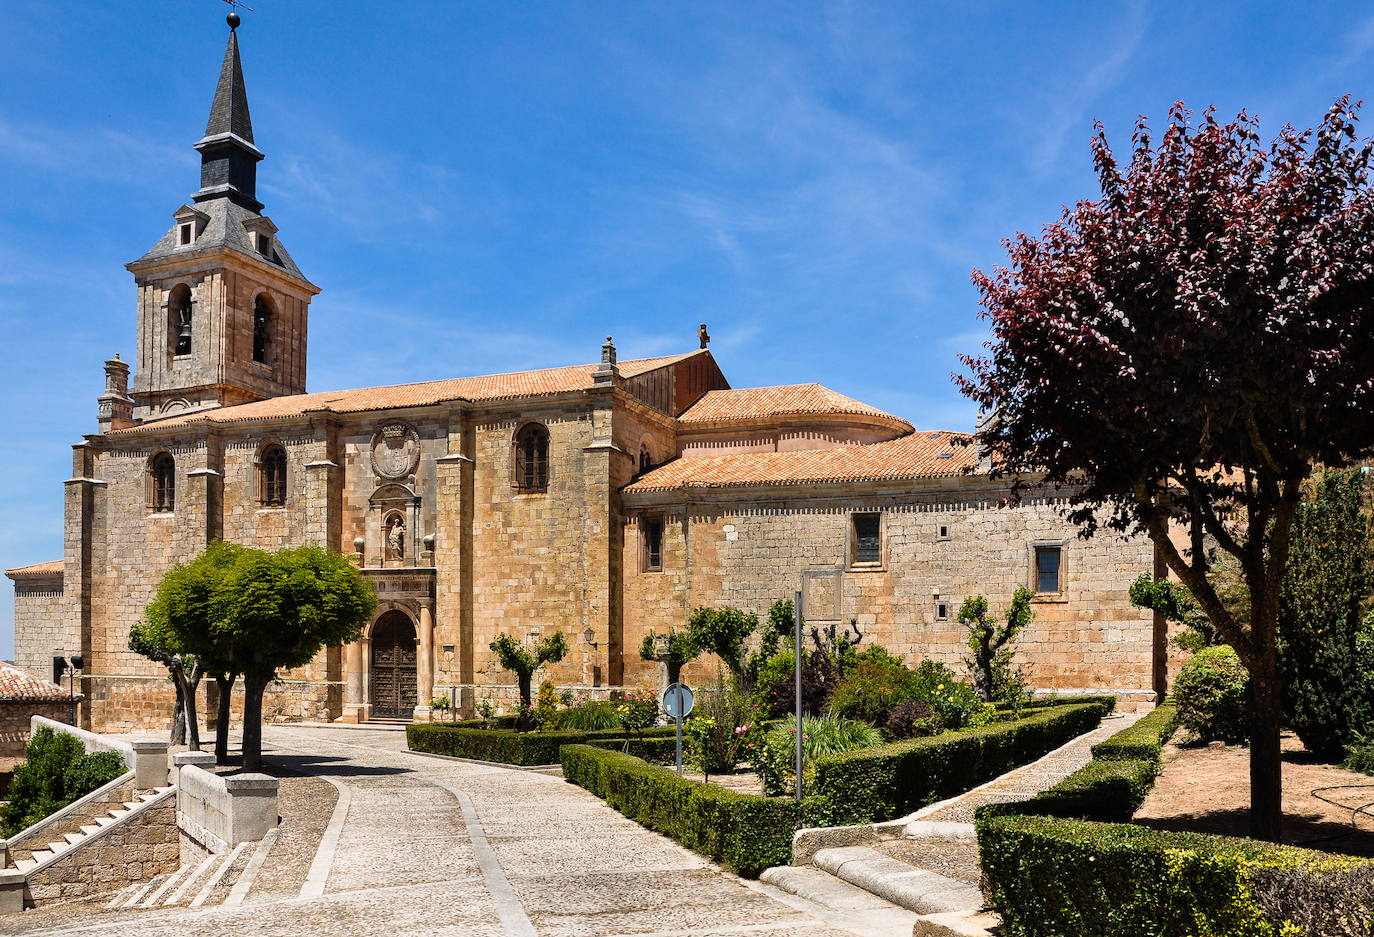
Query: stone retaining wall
130	852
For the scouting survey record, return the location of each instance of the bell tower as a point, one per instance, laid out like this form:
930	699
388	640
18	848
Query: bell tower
222	308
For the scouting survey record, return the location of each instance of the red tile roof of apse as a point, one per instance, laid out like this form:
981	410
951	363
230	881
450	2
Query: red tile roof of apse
18	684
538	383
747	403
920	455
37	569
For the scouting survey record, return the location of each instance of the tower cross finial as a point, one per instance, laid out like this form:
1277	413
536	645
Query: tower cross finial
233	18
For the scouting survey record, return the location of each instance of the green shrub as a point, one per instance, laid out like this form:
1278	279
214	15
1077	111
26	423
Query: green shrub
745	832
719	730
911	719
954	701
1360	757
40	786
1142	741
1040	702
506	745
92	772
589	716
875	687
656	751
1108	790
893	780
775	759
1212	693
1050	877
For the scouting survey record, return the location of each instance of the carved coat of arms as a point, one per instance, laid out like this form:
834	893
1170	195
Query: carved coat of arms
395	450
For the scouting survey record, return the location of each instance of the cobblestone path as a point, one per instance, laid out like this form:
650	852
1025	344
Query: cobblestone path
428	846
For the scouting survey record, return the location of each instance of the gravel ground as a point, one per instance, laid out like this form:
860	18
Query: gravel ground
955	860
305	805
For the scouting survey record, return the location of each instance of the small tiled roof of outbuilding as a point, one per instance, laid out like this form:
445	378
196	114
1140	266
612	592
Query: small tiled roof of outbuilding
18	684
919	455
751	403
37	569
485	387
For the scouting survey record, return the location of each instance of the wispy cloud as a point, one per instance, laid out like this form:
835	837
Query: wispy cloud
64	151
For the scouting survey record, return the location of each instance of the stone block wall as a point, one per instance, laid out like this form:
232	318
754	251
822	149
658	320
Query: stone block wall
39	602
130	852
82	815
750	553
15	716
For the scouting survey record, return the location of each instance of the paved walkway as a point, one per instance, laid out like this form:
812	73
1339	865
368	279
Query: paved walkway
424	846
1030	779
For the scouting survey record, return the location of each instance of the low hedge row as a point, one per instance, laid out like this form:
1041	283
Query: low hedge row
745	832
506	745
658	751
1050	877
876	784
1041	702
1144	740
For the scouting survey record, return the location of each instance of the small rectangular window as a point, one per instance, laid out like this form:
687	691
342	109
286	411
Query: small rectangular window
944	532
1047	561
941	612
868	543
264	244
185	234
653	543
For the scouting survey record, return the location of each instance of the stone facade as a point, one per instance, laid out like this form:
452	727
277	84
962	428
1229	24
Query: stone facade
16	716
466	532
38	602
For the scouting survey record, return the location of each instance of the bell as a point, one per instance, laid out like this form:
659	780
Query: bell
185	334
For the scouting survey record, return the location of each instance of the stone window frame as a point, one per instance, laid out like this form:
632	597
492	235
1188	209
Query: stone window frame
524	479
942	531
852	541
272	457
174	316
646	551
1033	569
942	610
162	483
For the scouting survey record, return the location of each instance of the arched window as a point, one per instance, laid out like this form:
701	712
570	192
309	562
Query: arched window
179	320
530	472
646	458
262	328
162	483
272	475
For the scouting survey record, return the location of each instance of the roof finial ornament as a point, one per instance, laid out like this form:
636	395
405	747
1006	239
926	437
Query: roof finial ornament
233	18
608	352
703	336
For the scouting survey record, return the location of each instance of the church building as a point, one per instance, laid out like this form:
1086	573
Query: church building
605	500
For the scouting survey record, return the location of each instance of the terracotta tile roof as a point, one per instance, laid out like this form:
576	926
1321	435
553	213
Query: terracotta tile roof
37	569
920	455
749	403
486	387
18	684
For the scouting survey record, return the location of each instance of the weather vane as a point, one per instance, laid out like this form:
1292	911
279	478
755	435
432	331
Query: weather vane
233	18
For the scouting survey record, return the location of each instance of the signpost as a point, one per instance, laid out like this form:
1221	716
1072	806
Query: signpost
677	703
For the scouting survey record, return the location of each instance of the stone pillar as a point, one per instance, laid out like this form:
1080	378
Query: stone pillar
83	493
150	763
453	506
365	654
203	760
605	468
424	665
354	677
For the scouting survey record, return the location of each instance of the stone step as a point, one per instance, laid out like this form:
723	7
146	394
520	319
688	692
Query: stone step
217	875
90	828
940	831
902	884
151	796
823	889
58	847
23	865
167	884
956	924
107	819
122	896
189	882
74	838
42	855
142	891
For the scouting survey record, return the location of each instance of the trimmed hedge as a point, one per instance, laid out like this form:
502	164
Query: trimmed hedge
1144	740
876	784
658	751
1052	877
745	832
1043	701
506	745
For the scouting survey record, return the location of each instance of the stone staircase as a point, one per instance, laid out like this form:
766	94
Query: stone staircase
218	879
40	859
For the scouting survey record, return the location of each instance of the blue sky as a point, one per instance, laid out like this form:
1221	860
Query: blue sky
482	187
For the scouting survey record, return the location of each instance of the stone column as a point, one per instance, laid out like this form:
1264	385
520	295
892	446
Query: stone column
83	494
605	468
353	683
424	665
453	507
365	652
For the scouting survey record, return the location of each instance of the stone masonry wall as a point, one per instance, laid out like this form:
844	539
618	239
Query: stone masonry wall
39	604
82	816
131	852
16	716
750	553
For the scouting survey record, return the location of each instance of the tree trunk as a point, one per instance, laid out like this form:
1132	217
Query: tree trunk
225	685
1266	765
674	669
188	694
178	736
253	688
523	722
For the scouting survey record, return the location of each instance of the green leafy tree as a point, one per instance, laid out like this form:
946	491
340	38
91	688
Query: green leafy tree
681	651
995	674
1179	353
1326	648
1174	603
723	632
255	613
151	638
523	662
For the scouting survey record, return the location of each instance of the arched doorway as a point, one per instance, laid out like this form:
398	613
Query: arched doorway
392	675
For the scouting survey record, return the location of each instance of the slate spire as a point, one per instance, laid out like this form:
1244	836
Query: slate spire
228	157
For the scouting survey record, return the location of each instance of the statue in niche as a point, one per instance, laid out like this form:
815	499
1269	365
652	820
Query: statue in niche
395	537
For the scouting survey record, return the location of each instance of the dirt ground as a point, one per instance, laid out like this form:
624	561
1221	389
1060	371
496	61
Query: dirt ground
1208	791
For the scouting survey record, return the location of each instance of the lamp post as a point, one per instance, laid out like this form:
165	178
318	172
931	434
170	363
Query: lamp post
589	639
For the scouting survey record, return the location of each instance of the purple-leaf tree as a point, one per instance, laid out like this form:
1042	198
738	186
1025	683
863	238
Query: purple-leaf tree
1181	352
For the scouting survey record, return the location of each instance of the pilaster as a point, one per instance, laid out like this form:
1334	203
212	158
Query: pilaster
603	535
453	559
82	492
